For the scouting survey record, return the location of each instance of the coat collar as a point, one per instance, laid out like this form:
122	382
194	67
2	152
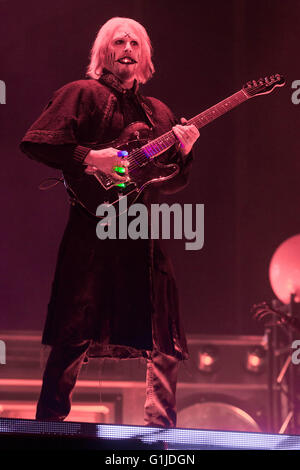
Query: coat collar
113	82
109	79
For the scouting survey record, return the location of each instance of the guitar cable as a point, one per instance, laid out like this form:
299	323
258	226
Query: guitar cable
43	187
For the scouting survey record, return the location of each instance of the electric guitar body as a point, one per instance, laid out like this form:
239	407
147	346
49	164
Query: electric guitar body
144	168
92	190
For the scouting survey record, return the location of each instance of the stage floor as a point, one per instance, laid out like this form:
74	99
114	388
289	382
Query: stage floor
170	439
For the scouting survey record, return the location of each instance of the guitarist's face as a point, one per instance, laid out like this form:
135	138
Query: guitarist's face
124	52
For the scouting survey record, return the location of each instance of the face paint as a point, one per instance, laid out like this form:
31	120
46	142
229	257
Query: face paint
123	55
111	57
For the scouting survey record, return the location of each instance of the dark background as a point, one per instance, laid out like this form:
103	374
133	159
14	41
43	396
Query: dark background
246	170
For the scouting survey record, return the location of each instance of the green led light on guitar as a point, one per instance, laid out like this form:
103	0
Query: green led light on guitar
119	169
121	185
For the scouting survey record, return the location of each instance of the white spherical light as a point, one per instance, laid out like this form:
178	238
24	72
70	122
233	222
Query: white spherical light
284	270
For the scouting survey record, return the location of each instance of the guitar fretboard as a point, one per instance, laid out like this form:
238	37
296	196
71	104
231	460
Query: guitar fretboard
165	141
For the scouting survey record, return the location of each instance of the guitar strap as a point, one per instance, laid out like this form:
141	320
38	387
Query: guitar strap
110	81
146	109
107	113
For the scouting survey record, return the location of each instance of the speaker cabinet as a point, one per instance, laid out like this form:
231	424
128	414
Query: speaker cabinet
224	384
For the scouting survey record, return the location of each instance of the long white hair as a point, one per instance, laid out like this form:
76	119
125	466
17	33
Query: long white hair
98	54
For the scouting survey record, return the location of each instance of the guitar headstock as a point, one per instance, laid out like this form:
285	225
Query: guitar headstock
262	86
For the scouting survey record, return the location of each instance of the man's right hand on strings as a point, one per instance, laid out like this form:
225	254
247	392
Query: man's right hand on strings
107	160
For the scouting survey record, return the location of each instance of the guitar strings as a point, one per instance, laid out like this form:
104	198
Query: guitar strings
137	157
140	157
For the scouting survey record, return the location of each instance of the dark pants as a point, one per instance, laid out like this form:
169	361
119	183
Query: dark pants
62	369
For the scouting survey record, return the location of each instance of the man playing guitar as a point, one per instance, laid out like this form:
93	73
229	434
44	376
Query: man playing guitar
110	298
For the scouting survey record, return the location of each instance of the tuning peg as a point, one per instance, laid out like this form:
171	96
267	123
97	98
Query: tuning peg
263	86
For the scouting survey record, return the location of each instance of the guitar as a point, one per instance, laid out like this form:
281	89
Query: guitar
144	168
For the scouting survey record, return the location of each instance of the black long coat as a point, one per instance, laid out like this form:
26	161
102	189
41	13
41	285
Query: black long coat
121	294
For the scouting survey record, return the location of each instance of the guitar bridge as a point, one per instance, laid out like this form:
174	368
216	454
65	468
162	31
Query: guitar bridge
104	180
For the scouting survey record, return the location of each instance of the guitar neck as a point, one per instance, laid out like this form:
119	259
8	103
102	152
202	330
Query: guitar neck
165	141
218	109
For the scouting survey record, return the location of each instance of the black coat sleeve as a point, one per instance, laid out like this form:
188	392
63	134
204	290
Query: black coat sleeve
54	138
67	157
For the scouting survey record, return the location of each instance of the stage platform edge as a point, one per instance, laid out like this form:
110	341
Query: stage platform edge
142	437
